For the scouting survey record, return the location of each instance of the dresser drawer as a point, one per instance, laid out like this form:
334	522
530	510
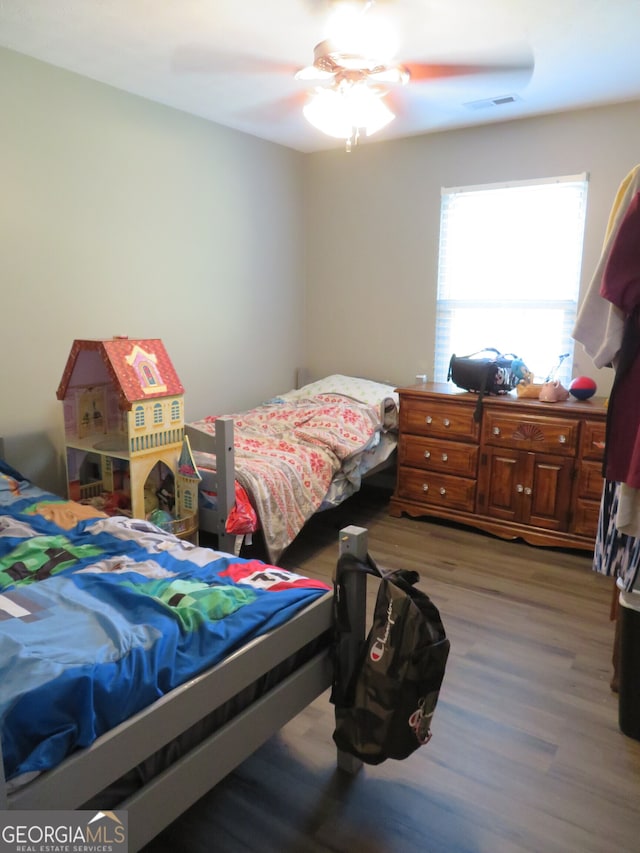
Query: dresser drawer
592	442
585	520
528	432
590	480
434	489
433	454
440	420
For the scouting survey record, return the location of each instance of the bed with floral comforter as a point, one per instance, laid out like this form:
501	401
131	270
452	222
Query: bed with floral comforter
289	451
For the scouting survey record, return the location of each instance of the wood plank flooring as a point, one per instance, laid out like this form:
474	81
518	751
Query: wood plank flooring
526	754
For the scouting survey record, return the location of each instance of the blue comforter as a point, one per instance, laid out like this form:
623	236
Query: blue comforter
100	618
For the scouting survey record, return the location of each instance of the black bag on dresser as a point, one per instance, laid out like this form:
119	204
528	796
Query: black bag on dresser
485	372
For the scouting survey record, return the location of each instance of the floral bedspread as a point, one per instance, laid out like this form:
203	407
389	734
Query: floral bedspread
287	454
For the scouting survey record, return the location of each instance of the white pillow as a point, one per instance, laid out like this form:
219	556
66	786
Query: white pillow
364	390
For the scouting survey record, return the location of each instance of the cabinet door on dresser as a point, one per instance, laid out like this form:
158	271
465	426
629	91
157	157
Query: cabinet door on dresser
524	487
550	498
498	478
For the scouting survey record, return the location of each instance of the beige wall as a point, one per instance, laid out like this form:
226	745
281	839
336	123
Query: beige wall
373	225
119	216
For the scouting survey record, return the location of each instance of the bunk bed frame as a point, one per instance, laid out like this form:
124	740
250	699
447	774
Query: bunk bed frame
86	773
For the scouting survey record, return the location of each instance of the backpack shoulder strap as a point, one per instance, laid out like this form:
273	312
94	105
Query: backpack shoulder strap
477	414
348	562
403	578
344	674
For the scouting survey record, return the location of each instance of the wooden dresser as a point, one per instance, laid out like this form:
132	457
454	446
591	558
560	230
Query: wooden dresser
527	469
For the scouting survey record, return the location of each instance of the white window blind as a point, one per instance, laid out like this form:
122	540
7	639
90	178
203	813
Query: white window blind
509	272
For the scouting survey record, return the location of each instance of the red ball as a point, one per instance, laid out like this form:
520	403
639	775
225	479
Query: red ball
583	387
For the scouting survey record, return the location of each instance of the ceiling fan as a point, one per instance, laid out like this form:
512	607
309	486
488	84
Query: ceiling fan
355	79
355	84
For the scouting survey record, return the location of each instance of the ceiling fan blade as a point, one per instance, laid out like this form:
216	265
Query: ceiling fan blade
278	110
441	71
198	59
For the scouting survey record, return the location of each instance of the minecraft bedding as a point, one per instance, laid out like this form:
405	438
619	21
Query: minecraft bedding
100	616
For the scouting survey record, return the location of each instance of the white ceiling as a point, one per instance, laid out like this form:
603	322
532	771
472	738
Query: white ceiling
232	61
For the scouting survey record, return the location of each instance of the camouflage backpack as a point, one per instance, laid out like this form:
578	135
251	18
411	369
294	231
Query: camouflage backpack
384	706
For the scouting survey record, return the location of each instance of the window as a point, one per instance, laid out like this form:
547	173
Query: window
139	411
509	272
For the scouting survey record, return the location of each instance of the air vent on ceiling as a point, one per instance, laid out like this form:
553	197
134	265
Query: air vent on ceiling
500	101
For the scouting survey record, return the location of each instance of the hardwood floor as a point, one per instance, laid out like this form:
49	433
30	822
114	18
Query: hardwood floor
526	753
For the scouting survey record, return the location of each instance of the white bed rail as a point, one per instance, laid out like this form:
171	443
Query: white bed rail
221	482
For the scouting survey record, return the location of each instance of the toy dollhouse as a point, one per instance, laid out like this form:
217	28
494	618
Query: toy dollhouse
126	449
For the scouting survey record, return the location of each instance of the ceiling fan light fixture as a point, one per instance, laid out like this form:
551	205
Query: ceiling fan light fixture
343	111
325	111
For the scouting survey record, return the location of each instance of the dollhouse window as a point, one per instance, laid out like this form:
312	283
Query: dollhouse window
175	410
188	499
148	374
157	413
139	416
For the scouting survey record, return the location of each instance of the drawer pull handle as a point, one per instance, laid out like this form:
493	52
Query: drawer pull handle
428	419
443	491
519	488
562	439
446	422
444	457
496	430
427	454
425	487
527	490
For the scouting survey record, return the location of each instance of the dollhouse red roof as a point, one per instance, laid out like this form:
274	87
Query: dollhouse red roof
140	369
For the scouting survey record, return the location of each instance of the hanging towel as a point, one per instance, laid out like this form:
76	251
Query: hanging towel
599	323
